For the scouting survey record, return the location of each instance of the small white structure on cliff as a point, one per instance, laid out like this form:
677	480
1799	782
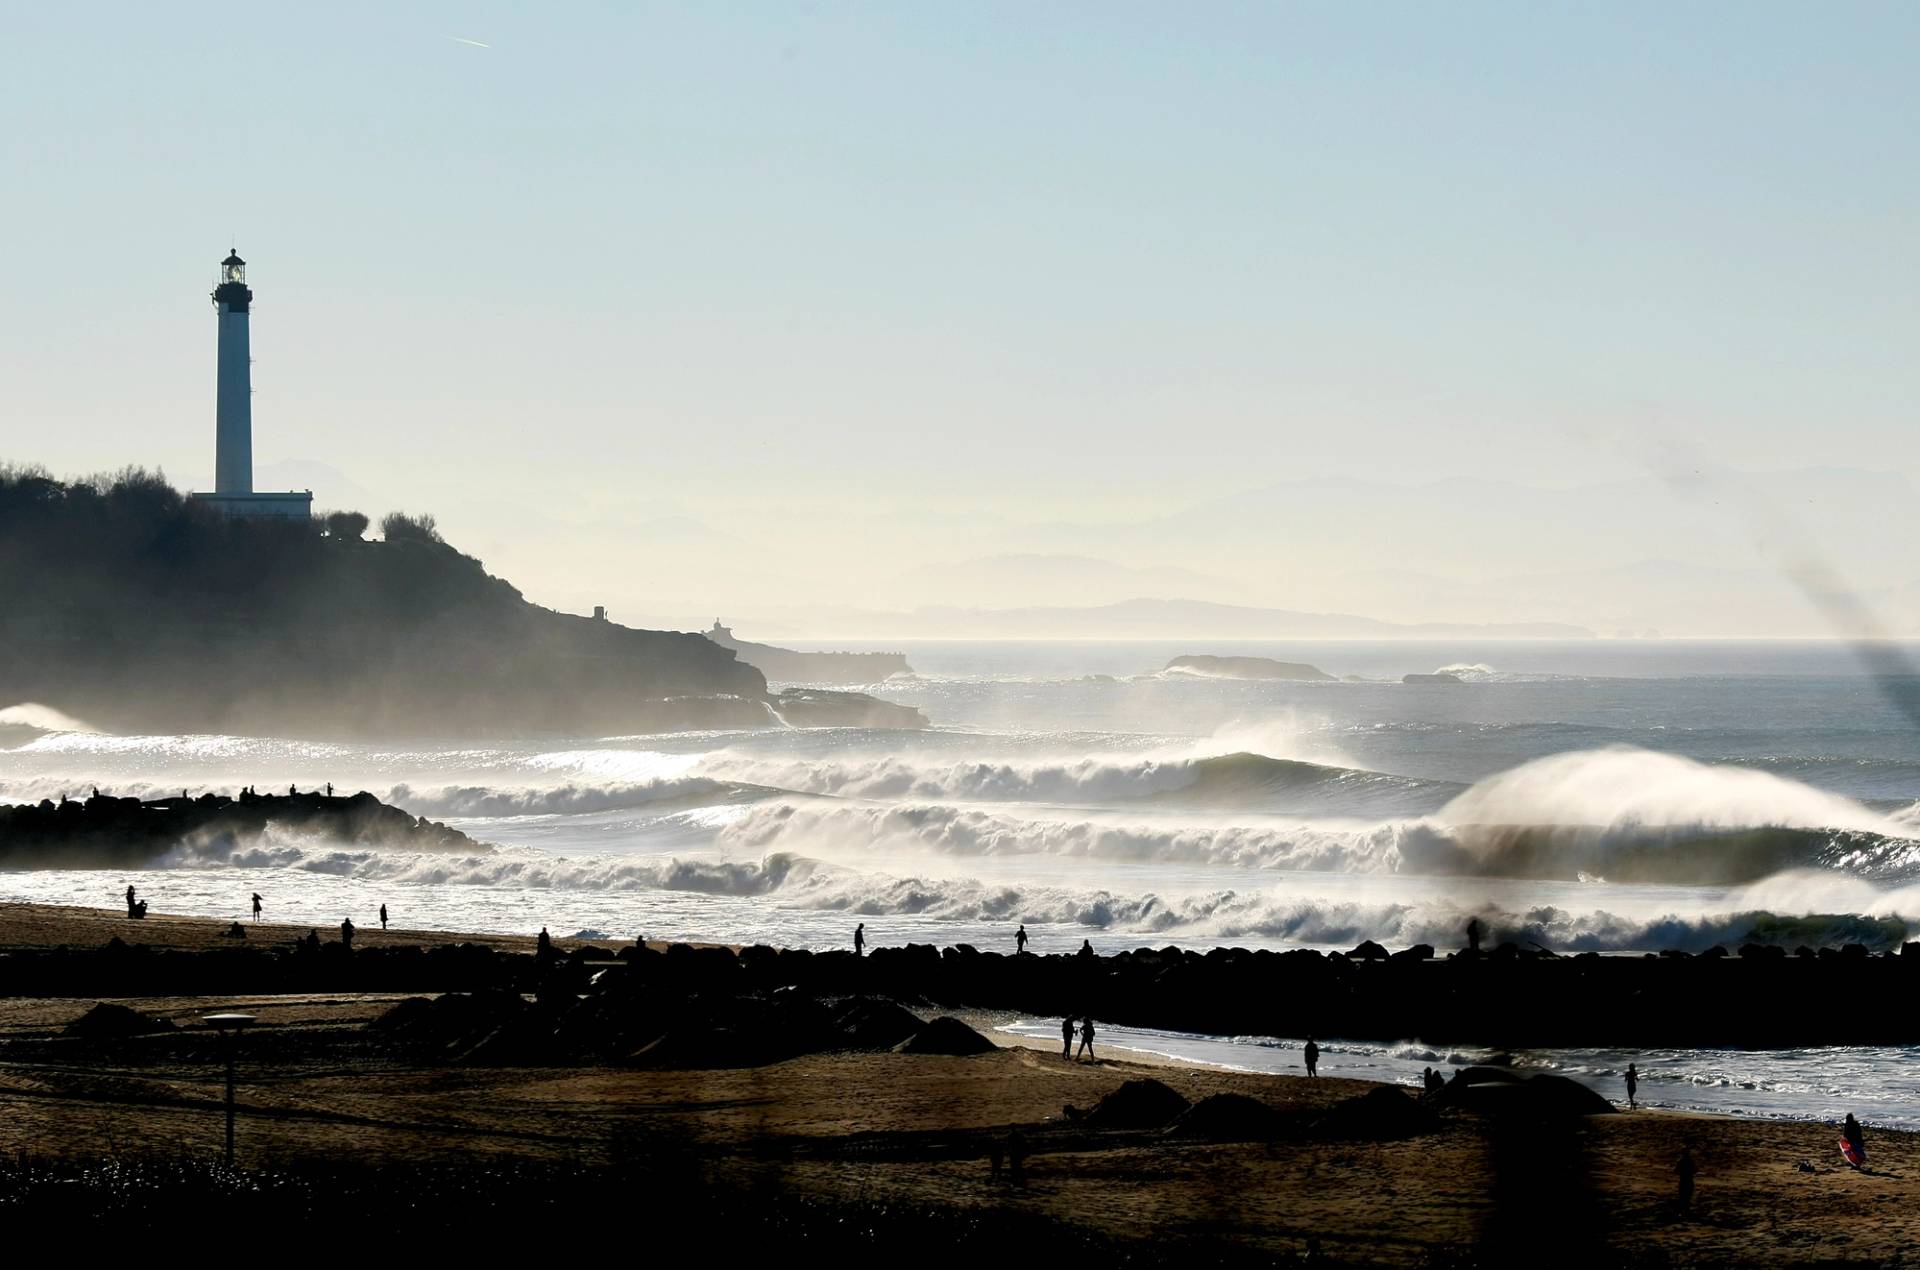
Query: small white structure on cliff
233	492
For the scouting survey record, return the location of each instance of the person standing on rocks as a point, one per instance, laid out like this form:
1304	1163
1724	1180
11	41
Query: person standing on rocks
1086	1039
860	940
1020	940
1066	1038
1473	934
1633	1086
346	933
543	947
1312	1053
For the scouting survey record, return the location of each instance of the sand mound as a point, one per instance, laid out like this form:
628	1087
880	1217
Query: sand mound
876	1024
1229	1118
945	1035
1379	1115
110	1022
1138	1104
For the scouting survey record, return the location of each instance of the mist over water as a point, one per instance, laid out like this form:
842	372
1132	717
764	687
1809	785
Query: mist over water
1615	798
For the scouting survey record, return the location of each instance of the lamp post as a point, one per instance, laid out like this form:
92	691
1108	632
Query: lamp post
229	1026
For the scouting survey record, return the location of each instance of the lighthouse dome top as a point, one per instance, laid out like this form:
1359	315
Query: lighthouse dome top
233	258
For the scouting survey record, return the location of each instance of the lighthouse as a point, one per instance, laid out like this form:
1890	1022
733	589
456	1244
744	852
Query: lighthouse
233	493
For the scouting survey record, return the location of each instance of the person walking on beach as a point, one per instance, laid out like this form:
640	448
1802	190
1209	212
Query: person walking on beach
346	932
1312	1053
256	906
860	940
1086	1038
1066	1038
1686	1169
383	917
1633	1086
1020	940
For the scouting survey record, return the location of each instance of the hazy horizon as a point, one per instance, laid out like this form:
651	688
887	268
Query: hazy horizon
810	319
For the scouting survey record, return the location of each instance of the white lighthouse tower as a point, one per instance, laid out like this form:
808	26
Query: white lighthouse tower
233	491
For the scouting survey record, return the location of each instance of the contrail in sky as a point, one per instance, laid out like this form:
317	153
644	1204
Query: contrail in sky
470	43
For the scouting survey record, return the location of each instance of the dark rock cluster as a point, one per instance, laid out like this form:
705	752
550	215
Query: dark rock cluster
106	832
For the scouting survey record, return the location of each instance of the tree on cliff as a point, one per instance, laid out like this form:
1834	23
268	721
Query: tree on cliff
398	526
346	525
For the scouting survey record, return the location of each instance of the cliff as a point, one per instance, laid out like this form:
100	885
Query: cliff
129	607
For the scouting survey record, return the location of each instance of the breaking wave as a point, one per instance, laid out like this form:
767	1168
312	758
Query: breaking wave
1673	854
1240	779
1787	910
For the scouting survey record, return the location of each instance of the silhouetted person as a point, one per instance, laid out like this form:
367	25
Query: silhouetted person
1312	1053
1086	1038
1066	1038
1633	1085
291	791
236	931
1086	948
329	789
543	947
1020	940
130	912
256	906
1851	1132
860	939
311	944
383	917
1686	1169
346	931
1473	934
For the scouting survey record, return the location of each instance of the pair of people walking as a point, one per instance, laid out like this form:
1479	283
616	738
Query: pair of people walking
1086	1038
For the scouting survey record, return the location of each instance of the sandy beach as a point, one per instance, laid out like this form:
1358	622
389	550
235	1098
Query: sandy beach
913	1129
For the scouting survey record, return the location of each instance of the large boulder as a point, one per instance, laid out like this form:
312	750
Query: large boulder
1500	1092
1139	1104
945	1035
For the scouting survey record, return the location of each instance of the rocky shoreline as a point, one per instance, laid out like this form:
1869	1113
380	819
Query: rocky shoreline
599	1000
102	831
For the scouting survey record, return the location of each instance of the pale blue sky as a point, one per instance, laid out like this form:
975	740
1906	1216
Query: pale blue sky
807	265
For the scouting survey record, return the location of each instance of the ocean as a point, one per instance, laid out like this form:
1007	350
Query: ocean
1616	796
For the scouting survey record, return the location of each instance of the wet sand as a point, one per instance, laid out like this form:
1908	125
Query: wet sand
917	1130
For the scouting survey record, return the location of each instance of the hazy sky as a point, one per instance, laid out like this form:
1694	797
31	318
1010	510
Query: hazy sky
661	304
